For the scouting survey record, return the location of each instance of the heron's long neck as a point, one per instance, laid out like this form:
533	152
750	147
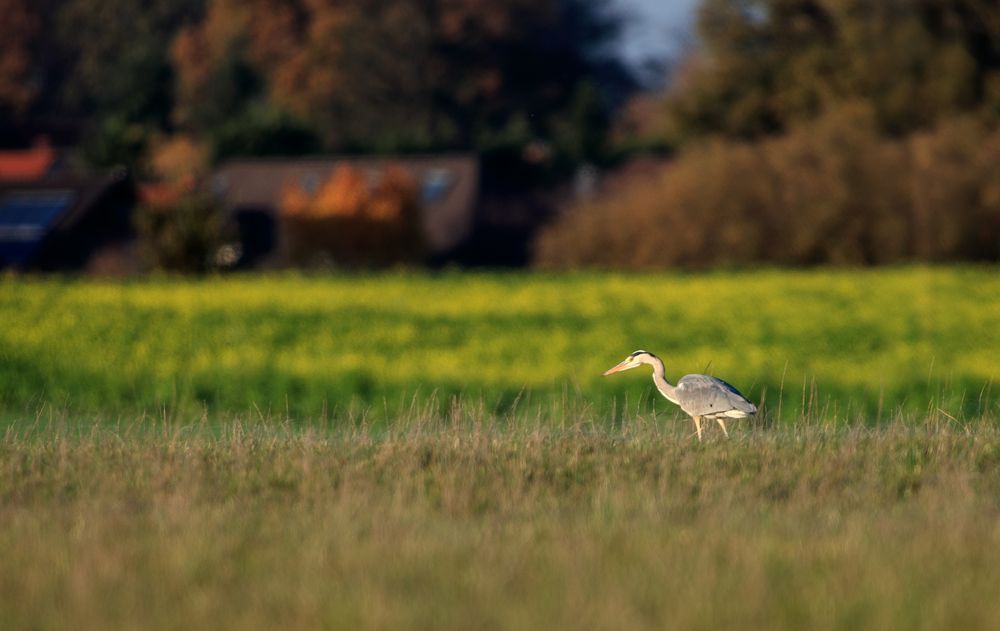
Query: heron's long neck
661	382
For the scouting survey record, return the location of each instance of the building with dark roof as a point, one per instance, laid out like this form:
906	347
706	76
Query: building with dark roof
66	223
252	191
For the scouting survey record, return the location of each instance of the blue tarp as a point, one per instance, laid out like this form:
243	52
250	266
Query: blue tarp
26	217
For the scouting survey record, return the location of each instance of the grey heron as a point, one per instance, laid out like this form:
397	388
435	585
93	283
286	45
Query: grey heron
700	396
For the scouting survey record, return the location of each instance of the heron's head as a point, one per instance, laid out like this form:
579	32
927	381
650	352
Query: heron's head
634	360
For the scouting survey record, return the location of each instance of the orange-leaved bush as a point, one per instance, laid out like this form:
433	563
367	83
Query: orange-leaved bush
351	221
834	191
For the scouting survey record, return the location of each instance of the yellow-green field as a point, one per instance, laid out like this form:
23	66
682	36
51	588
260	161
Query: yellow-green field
850	345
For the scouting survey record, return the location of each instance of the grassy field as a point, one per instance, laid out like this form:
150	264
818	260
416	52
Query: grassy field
440	452
856	345
467	523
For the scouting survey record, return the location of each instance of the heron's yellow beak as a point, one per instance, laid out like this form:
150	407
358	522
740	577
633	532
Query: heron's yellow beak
625	365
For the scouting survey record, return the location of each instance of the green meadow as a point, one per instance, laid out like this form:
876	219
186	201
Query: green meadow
418	451
855	346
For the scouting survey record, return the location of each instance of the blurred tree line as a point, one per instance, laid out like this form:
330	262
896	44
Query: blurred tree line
767	65
814	132
803	131
200	80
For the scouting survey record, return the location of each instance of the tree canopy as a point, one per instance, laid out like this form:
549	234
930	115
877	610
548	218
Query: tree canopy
765	65
291	76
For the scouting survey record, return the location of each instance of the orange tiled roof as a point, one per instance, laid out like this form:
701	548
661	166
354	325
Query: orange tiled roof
27	164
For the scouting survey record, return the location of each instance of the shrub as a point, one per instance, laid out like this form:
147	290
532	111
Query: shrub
184	236
956	193
831	192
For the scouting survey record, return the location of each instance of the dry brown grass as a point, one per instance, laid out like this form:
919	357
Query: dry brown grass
470	523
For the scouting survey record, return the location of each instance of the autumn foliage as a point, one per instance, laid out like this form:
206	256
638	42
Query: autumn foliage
17	28
386	74
831	192
352	221
852	132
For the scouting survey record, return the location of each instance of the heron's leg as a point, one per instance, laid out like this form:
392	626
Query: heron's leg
697	426
722	424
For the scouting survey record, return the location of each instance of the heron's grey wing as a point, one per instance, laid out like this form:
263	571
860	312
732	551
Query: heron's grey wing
702	395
